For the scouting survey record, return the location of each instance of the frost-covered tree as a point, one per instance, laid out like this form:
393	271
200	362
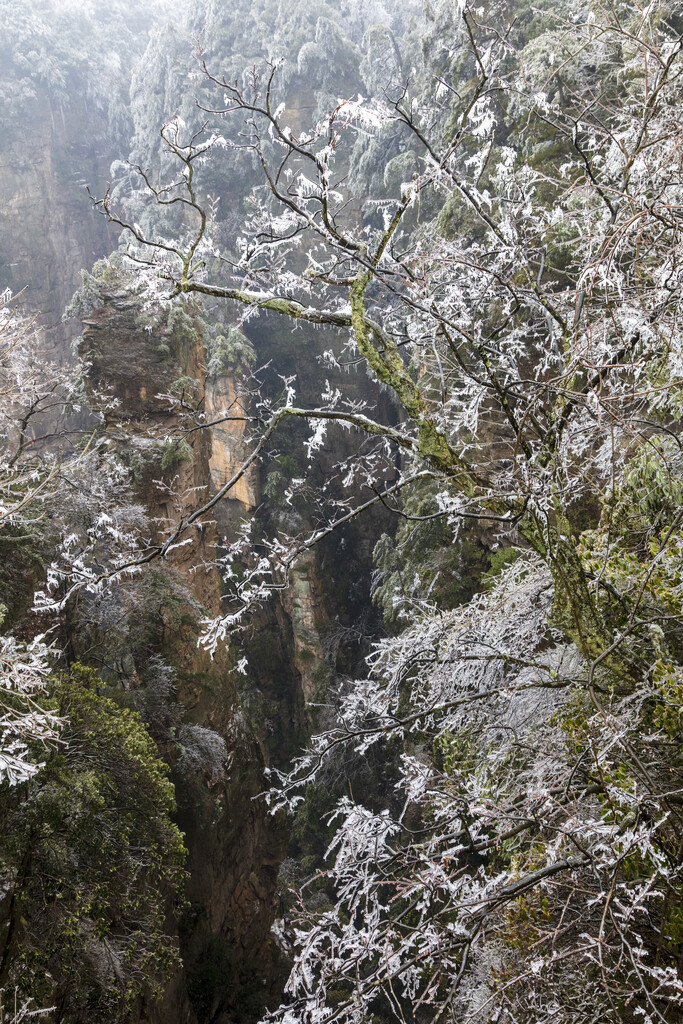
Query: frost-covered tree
59	497
29	394
516	288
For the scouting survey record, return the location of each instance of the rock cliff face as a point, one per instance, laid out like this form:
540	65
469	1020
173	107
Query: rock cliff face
48	231
234	846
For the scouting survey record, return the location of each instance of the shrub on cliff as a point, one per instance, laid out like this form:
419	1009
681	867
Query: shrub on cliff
92	863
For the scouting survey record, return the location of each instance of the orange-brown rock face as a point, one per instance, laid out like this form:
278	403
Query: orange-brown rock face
228	448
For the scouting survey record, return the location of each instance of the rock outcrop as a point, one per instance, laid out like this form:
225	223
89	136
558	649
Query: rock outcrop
48	229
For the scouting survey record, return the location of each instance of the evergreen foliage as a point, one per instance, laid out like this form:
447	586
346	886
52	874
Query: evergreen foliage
91	860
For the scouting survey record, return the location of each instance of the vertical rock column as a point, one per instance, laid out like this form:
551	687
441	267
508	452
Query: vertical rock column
234	846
